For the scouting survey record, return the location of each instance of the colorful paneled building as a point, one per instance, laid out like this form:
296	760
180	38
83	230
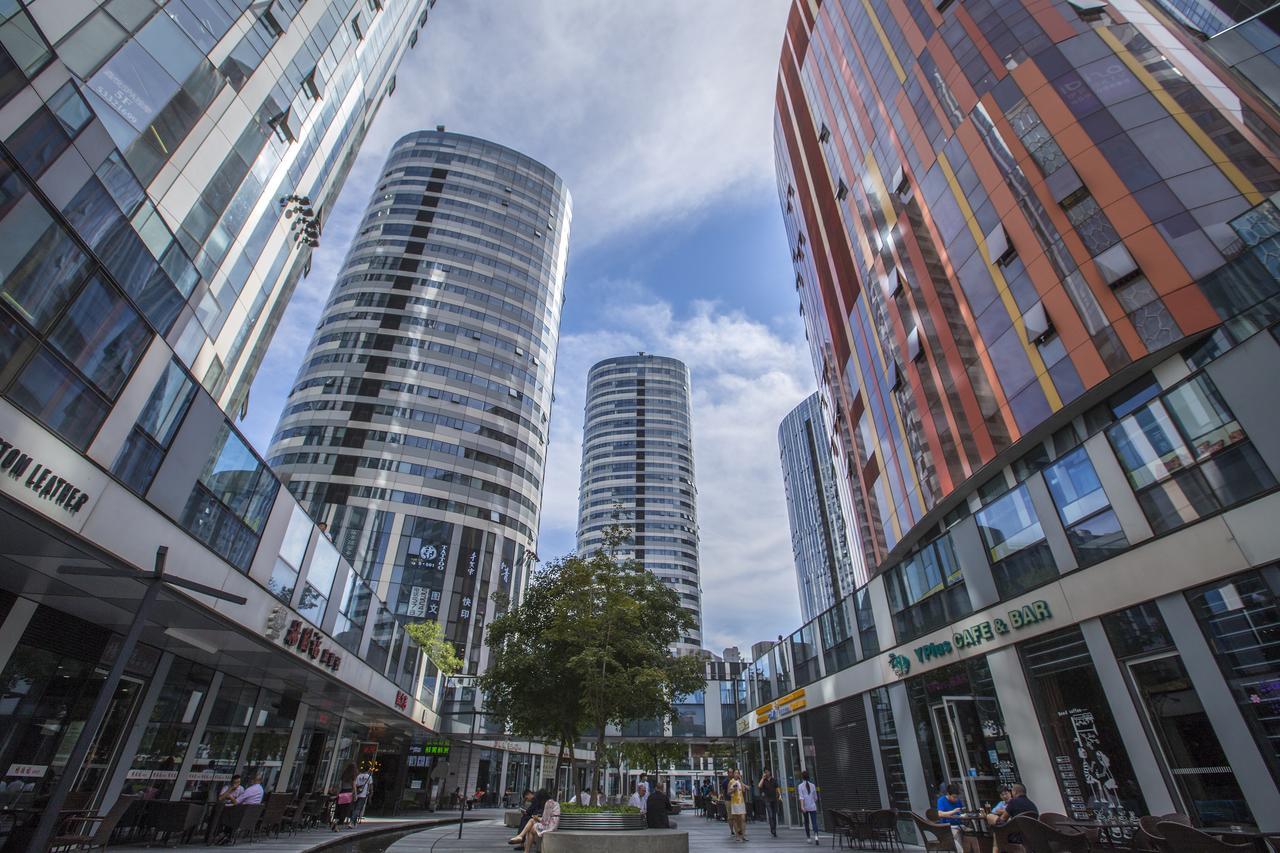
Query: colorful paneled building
1036	250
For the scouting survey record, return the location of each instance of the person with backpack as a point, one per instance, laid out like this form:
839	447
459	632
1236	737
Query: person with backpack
364	786
807	793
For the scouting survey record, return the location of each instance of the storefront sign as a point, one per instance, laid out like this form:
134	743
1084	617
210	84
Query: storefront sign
308	642
164	775
402	700
421	754
27	771
41	472
744	726
986	631
135	775
780	708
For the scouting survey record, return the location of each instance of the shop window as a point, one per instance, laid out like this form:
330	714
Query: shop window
1092	527
1240	617
1094	774
804	656
167	735
144	449
926	591
835	632
895	773
275	718
1187	457
218	753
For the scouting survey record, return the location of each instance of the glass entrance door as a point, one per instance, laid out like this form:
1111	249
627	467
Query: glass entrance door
106	744
1188	743
971	741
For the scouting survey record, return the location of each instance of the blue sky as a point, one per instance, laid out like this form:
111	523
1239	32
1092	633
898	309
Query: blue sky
658	115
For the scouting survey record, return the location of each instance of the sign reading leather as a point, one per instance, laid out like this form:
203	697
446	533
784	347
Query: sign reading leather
40	471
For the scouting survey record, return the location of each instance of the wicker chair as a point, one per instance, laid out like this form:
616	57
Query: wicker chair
90	836
936	836
1039	837
1060	823
1177	838
273	815
841	830
174	818
882	827
241	821
1003	834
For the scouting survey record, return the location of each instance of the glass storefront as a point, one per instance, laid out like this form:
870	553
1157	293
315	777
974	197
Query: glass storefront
1176	720
961	733
217	757
168	733
1089	758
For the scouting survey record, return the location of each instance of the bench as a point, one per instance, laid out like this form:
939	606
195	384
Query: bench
511	818
627	841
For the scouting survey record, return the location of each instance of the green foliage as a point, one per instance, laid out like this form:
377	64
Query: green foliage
654	755
571	808
440	651
589	647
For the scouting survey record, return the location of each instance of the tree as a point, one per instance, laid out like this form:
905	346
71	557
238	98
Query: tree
653	755
440	651
624	620
527	686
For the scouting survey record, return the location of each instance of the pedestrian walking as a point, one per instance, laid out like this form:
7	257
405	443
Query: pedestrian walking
768	788
364	787
807	793
737	792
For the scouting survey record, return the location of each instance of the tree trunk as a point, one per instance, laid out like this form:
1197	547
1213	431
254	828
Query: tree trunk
571	788
555	783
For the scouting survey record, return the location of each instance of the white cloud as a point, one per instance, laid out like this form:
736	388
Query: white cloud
746	377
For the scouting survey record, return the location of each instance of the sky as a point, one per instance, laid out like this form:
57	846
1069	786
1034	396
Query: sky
658	115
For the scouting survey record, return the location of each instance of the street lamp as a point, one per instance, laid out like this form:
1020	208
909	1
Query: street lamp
154	581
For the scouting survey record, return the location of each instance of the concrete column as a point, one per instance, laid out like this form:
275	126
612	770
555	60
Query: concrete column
880	612
972	555
291	751
1035	765
129	748
1219	704
909	747
14	626
1146	766
1051	524
876	760
197	734
1133	521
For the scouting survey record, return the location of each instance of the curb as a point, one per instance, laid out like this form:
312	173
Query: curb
410	826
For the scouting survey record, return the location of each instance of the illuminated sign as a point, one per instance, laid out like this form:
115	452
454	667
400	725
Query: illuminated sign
780	708
421	754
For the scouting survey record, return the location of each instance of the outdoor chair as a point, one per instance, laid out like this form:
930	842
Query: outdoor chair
174	818
1176	838
1003	834
936	836
241	821
841	827
1039	837
1061	823
273	814
93	831
313	810
882	829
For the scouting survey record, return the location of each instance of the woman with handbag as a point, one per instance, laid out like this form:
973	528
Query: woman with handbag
346	797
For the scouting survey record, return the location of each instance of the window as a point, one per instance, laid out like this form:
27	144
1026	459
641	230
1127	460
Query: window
144	449
102	336
1019	555
1187	457
284	575
355	28
926	591
1240	617
231	500
804	656
866	622
1092	527
50	391
836	635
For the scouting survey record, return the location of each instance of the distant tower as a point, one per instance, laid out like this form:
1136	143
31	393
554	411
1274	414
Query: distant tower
819	536
637	467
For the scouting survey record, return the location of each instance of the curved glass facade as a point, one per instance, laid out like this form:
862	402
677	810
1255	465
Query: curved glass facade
637	469
999	213
417	425
819	538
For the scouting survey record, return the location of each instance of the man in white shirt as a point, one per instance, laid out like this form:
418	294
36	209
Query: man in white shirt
364	785
640	797
583	798
232	790
252	795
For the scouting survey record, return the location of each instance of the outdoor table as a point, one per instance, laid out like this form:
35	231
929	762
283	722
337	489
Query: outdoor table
859	819
1259	839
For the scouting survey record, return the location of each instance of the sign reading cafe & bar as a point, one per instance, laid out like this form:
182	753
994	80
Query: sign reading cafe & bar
975	635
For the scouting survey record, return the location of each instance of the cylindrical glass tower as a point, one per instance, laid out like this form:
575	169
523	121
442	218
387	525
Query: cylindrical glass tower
637	469
417	426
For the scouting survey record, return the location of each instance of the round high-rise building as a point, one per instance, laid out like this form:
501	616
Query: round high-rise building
637	469
417	426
